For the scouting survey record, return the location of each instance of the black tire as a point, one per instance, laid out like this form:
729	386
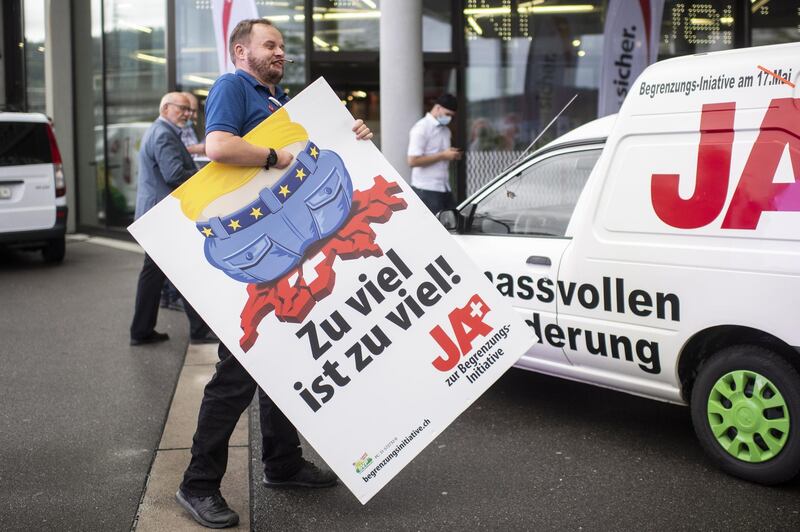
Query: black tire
54	251
785	465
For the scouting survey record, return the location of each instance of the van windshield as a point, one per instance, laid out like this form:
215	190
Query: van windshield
24	143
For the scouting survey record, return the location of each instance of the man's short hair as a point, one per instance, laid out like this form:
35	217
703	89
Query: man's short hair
241	33
170	98
448	101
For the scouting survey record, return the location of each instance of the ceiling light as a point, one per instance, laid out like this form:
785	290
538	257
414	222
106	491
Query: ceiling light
487	11
199	79
137	27
480	12
352	15
319	42
576	43
197	50
553	10
150	58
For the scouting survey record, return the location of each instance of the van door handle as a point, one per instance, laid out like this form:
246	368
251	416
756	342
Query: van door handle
538	260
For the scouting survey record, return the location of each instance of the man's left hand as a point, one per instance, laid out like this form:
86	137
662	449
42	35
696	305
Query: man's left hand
361	130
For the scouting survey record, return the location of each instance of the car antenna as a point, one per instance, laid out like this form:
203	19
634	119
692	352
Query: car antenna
525	152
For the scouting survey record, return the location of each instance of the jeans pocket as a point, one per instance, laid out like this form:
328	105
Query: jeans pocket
261	261
330	203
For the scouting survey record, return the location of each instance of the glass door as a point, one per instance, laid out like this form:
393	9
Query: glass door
135	81
89	111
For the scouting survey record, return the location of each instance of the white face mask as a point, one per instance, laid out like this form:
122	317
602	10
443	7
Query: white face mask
444	119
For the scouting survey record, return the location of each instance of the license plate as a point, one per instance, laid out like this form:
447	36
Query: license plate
5	192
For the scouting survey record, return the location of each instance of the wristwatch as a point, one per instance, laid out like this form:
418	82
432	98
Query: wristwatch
272	159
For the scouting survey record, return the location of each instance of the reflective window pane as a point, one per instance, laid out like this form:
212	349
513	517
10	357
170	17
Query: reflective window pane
136	79
523	67
774	22
346	25
33	13
691	27
196	62
356	85
89	133
437	27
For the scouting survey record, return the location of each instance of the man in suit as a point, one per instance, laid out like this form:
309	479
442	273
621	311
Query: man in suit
164	164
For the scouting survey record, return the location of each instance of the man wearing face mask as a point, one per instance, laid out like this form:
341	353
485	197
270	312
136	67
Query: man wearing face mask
430	153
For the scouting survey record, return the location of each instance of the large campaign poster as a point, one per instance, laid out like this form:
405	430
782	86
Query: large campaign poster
338	291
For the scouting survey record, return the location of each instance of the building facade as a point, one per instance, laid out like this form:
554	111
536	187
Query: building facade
100	67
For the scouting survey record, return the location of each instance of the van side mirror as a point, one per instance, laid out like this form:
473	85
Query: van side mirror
450	219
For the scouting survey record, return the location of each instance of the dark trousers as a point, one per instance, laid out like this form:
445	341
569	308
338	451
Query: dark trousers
148	295
435	201
226	396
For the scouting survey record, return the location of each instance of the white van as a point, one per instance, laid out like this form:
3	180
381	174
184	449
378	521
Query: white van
33	202
657	252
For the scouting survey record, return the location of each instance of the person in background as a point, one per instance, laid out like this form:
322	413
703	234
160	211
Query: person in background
194	146
430	153
164	164
170	298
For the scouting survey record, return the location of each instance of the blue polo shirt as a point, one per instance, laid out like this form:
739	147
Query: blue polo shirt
238	102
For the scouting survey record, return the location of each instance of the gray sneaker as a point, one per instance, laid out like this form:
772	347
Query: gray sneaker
309	476
211	511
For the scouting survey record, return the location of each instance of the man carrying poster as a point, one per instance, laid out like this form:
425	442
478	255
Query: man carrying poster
236	104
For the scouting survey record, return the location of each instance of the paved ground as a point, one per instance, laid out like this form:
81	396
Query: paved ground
158	510
539	453
82	411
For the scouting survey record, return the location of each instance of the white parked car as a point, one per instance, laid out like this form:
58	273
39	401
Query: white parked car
33	203
657	252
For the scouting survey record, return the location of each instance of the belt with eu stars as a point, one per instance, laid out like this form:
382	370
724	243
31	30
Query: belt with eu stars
269	200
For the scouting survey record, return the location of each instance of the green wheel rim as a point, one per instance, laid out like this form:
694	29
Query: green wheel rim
748	416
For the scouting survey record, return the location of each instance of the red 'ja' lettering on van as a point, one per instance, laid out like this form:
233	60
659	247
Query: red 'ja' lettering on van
756	192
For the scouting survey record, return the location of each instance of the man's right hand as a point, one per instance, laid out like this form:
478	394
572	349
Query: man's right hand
450	154
284	159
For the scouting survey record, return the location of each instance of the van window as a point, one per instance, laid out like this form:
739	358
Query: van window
24	143
539	200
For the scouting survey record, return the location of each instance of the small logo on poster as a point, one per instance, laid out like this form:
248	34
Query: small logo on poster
467	324
362	463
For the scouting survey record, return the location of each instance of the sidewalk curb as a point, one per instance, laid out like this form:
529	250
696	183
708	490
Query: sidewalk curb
157	509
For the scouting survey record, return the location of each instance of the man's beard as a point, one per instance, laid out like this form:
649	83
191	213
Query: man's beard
262	68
